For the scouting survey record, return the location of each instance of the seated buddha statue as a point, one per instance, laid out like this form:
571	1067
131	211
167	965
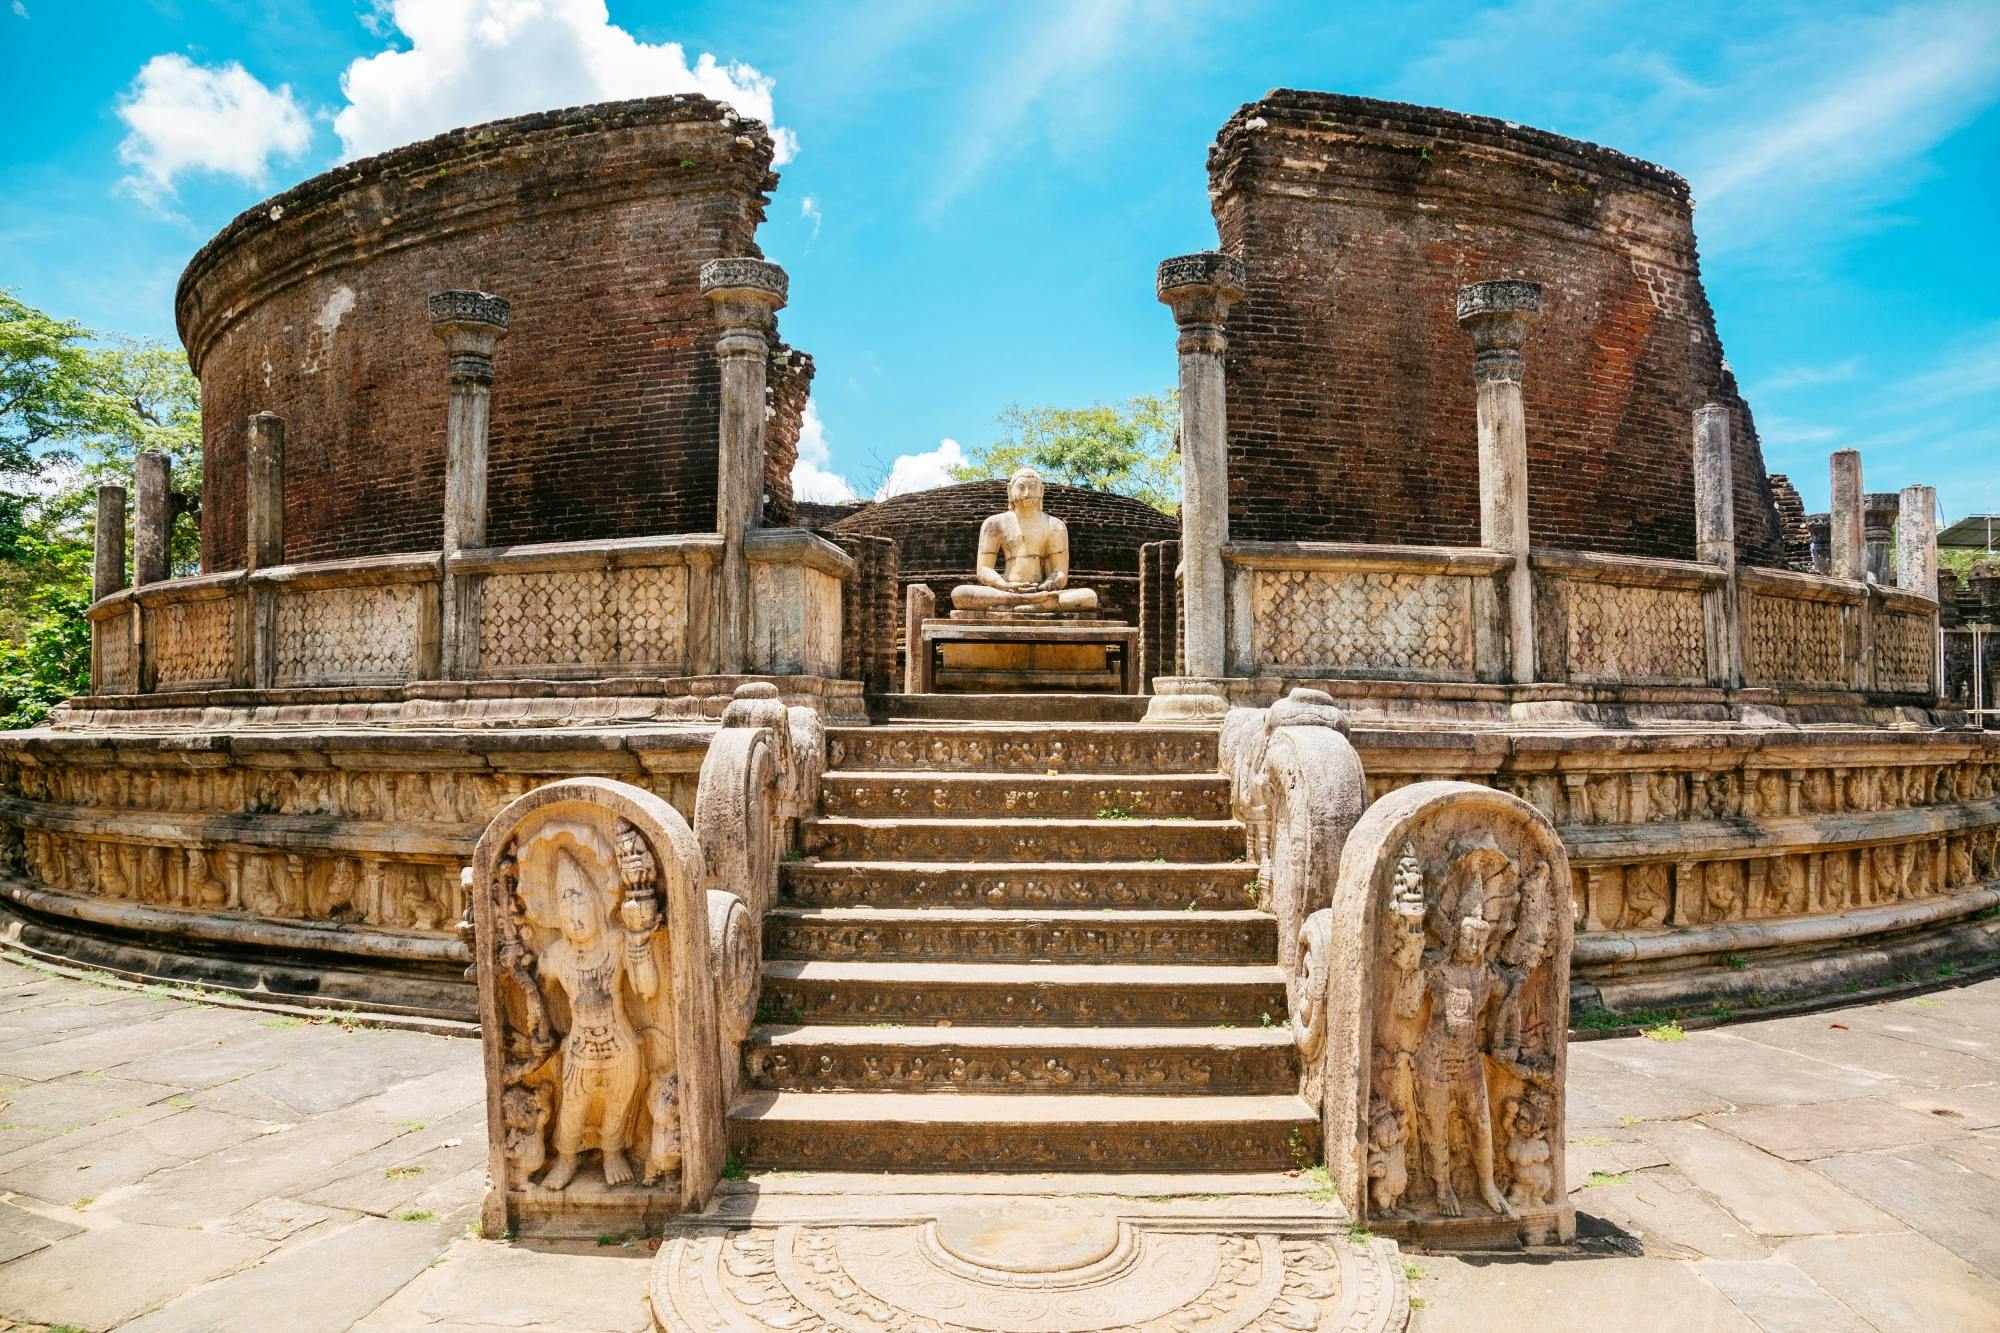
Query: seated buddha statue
1034	547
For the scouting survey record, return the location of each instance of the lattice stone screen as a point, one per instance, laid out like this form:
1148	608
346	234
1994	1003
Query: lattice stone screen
1795	641
194	643
111	653
1905	645
1614	620
1350	621
350	635
566	622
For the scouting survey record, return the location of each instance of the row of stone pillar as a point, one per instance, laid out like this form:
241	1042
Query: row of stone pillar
1497	317
1857	550
744	293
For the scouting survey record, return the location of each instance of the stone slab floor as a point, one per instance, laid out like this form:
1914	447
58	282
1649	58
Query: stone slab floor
169	1165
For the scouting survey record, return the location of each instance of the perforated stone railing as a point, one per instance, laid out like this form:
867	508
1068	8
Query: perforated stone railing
1336	610
644	606
1602	619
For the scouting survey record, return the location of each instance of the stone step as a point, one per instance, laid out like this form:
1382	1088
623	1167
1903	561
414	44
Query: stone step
1023	748
1172	841
919	1131
1021	935
1010	707
1004	795
1006	994
1224	885
1154	1061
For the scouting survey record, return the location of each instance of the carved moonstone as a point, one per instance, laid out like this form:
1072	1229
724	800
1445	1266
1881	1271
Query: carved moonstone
1035	546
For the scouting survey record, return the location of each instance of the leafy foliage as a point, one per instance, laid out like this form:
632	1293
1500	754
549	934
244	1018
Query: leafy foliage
75	411
1131	448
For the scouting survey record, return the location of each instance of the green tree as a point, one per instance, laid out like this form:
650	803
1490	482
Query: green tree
1131	448
75	411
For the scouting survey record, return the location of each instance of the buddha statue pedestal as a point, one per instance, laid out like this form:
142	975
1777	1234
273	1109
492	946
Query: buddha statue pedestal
1021	628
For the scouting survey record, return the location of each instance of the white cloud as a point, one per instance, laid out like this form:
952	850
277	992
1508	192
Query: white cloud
1969	369
812	476
20	10
922	472
809	210
1805	377
217	118
470	61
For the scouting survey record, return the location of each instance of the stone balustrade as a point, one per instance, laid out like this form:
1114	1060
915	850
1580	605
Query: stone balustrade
639	606
1618	620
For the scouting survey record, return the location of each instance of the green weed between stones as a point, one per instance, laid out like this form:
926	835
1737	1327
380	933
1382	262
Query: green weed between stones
417	1215
732	1168
1599	1179
1665	1032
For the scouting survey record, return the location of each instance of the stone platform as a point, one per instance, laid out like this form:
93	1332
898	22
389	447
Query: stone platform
169	1164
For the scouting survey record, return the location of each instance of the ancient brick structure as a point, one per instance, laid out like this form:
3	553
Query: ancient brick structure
1797	537
594	223
937	531
1357	222
868	607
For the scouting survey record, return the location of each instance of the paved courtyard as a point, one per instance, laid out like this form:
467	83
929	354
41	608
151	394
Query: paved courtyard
171	1165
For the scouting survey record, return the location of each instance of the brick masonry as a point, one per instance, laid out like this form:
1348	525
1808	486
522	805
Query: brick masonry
937	537
1350	386
593	222
869	604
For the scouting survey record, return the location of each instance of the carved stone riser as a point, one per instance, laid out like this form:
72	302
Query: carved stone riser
1226	887
1250	941
305	886
1045	1066
1661	793
1027	1146
1244	1004
464	801
1657	895
1045	840
1128	750
1016	797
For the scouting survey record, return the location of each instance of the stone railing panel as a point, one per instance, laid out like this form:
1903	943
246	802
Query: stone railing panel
1904	644
1800	630
111	658
1307	609
353	622
796	579
1613	620
193	633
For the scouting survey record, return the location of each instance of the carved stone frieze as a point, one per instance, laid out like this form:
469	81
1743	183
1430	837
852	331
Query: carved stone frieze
1029	750
194	643
1791	641
888	1066
1905	651
364	634
1167	886
1620	633
564	621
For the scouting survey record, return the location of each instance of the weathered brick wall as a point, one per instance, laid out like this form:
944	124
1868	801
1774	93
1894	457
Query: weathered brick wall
1350	398
1159	612
593	222
1792	531
815	515
788	385
937	537
868	607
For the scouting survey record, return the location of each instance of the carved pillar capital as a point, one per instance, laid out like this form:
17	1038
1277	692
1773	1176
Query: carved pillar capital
745	294
1497	316
1200	288
471	325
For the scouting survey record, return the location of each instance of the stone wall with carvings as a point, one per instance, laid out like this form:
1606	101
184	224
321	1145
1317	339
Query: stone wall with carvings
351	635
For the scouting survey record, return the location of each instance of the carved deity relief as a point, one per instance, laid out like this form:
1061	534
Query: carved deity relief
588	983
1465	992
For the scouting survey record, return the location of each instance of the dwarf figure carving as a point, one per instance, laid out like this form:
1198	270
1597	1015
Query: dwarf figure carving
663	1103
1528	1155
524	1112
1388	1156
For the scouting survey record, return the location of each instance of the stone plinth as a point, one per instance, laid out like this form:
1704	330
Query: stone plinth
1012	652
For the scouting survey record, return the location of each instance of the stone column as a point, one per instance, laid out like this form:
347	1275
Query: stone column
1715	539
1916	541
1497	317
745	294
153	477
1200	289
264	492
1847	545
471	325
107	569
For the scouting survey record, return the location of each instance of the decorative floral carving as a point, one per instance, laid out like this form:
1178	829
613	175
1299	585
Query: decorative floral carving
1635	634
1413	624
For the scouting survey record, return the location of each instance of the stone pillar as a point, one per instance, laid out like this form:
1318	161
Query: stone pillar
1878	534
1715	540
264	492
153	477
1846	543
1497	317
107	569
1200	289
471	325
744	294
1916	541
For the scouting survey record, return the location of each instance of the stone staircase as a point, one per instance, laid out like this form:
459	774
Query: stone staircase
1021	946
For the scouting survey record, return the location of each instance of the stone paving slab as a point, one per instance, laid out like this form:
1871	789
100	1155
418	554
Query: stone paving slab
1834	1171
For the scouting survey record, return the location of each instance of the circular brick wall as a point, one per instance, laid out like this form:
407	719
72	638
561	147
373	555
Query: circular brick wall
593	222
937	537
1350	395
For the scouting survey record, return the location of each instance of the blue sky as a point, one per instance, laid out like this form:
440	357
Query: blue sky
976	194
